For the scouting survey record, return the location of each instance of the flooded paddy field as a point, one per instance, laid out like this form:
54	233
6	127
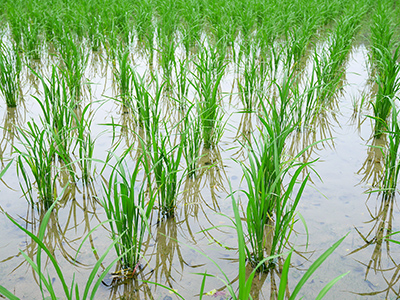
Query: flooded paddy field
140	139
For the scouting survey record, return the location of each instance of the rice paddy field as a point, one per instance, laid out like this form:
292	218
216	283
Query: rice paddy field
199	149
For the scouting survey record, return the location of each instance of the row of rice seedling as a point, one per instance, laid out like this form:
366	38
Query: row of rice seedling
149	20
384	59
10	69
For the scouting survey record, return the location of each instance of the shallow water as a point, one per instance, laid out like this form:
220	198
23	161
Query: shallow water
177	248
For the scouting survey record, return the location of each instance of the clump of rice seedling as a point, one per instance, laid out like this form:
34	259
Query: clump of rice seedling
182	82
37	155
388	85
74	57
166	159
210	71
10	69
57	107
31	31
391	155
329	66
128	209
269	210
253	81
124	75
191	139
85	142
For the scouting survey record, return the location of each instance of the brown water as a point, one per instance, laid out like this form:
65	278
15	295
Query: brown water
176	250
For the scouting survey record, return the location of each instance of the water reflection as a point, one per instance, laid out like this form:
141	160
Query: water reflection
382	260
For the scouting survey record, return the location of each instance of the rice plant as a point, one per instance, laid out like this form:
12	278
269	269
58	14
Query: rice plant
191	139
10	69
128	207
37	156
166	158
388	85
124	75
391	154
74	58
85	142
57	108
269	211
31	31
207	79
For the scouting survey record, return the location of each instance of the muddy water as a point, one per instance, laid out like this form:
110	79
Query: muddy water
178	249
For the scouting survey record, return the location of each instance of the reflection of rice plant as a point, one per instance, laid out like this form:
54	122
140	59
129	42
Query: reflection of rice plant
71	291
209	74
128	210
37	155
10	68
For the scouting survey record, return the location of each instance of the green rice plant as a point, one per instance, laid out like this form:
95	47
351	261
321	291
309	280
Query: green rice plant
128	209
85	142
191	139
388	85
209	74
391	154
123	76
166	159
329	65
57	108
31	31
182	82
269	211
37	155
298	39
74	58
10	69
71	291
247	89
382	30
167	55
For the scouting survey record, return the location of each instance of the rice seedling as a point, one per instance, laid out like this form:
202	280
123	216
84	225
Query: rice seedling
209	74
37	155
182	82
31	31
123	76
129	208
57	108
10	69
329	65
72	290
85	142
388	85
269	211
166	159
252	82
391	154
74	57
191	139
